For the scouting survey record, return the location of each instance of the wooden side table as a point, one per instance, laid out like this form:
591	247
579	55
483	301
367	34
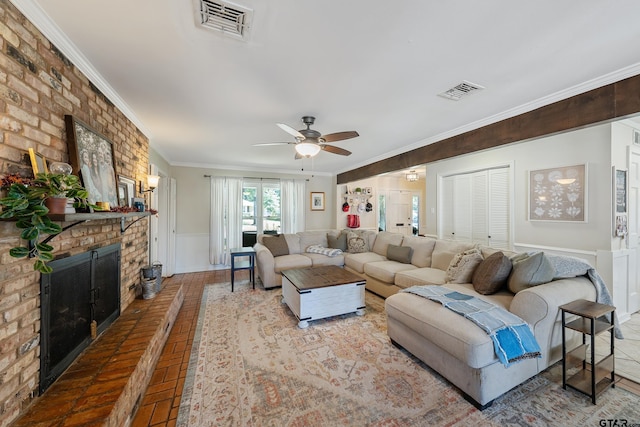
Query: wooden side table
590	322
243	265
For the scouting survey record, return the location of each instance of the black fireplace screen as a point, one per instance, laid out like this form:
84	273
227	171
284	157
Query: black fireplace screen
79	299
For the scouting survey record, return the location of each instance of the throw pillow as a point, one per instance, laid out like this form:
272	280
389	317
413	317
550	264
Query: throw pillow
338	242
530	270
276	244
399	253
492	274
356	244
462	266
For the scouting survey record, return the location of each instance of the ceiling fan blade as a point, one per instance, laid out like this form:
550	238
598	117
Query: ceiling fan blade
290	130
272	143
339	136
336	150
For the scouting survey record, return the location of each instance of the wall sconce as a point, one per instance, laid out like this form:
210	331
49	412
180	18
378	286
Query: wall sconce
152	183
412	176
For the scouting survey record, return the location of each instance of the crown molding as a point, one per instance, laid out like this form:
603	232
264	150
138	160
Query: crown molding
34	13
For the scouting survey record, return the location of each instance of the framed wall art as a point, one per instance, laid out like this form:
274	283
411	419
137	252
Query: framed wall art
620	203
317	201
558	194
38	162
91	155
126	190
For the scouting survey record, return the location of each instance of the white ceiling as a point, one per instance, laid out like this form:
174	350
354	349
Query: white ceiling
376	67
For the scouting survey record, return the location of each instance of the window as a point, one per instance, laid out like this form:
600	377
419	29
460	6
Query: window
261	207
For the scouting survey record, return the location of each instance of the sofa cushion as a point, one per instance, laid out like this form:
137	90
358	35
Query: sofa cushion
399	253
276	244
422	249
444	251
492	274
463	265
356	262
458	336
420	276
530	270
338	242
286	262
318	260
293	241
383	240
308	238
385	271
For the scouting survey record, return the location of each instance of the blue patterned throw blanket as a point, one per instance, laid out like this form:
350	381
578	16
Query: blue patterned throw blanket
512	337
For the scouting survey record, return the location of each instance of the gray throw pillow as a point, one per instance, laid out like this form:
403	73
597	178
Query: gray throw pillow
338	242
462	266
399	253
492	274
530	270
277	244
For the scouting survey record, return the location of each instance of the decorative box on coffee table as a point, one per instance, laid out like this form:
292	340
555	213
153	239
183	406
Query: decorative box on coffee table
317	293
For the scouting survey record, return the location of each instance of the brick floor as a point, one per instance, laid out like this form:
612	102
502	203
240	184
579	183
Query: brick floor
161	402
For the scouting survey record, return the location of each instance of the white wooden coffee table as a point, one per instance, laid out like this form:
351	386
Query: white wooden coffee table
317	293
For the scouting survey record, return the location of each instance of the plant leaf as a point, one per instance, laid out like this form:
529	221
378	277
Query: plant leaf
19	252
43	247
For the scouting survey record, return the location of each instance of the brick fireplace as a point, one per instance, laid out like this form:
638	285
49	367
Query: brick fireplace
38	86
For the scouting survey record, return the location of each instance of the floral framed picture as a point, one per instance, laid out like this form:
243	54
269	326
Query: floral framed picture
92	155
317	201
558	194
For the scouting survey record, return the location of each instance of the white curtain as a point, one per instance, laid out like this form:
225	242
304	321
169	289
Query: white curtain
217	248
234	216
226	218
292	194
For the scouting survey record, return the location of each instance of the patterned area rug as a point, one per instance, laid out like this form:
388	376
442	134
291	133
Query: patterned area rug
252	366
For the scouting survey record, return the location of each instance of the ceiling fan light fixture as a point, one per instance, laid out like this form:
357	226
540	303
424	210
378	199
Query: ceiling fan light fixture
412	176
307	149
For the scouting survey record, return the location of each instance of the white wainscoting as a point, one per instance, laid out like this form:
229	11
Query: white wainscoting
192	253
617	268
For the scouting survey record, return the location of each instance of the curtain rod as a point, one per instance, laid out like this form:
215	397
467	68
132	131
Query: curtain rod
248	177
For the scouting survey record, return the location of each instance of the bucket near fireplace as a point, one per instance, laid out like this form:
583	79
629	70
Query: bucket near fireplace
79	300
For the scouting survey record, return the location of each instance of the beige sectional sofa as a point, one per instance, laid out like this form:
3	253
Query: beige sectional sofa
447	342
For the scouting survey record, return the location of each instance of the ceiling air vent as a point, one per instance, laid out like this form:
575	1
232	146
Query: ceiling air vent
460	91
228	18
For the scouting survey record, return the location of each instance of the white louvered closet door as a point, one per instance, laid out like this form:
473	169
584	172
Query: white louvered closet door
476	207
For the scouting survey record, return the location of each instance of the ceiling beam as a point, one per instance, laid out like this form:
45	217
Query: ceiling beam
605	104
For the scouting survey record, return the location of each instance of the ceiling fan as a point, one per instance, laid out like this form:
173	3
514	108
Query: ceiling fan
310	142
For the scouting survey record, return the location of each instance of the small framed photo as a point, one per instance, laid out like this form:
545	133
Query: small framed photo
38	162
636	137
317	201
126	190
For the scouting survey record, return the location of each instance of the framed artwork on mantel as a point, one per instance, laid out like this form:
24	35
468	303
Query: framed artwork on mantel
91	154
558	194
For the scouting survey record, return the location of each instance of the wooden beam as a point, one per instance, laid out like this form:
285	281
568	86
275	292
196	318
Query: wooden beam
611	102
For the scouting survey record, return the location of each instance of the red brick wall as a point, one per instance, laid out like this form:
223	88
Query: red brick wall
38	86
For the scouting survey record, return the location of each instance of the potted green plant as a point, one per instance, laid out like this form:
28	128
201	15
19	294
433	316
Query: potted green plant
25	202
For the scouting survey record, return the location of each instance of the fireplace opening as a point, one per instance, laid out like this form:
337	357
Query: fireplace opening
79	300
